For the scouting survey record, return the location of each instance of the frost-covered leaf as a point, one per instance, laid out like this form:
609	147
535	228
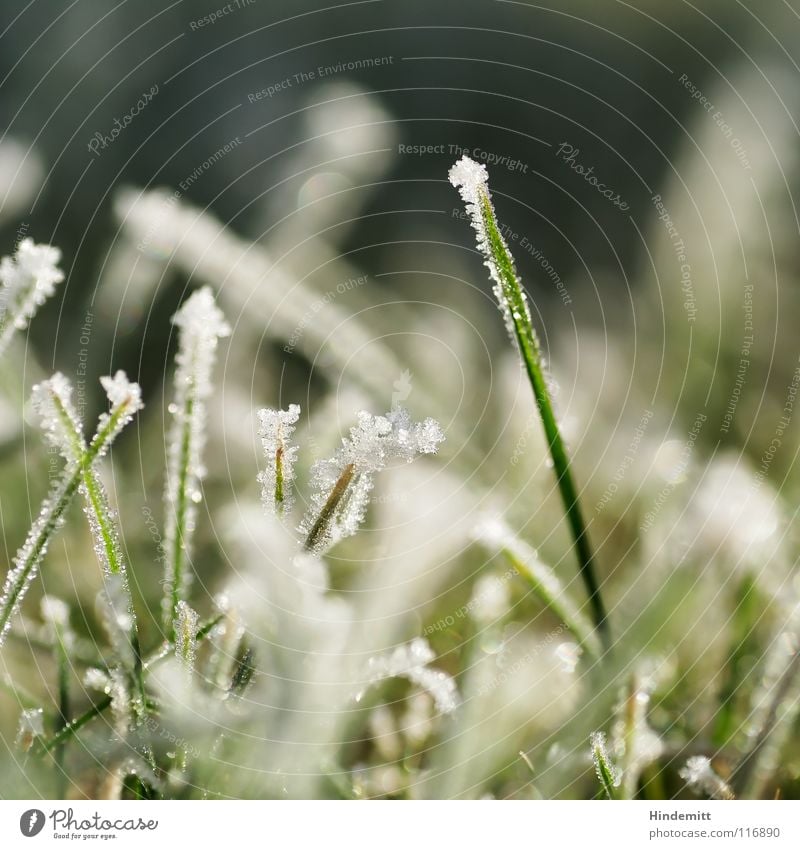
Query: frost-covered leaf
275	427
28	279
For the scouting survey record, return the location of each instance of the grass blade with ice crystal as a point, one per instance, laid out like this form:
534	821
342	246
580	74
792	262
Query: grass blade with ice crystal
201	325
275	429
607	774
30	556
165	652
28	279
344	482
472	181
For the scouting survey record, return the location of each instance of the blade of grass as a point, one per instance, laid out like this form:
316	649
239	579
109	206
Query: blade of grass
472	181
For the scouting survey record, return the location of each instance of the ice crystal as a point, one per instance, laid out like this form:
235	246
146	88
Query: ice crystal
201	324
472	181
186	635
275	429
344	482
412	661
125	398
28	279
97	679
701	776
31	727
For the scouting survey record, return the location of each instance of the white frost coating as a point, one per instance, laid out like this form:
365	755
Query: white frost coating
186	635
602	761
28	279
127	400
374	442
201	324
31	726
411	661
472	181
700	775
275	427
97	679
52	400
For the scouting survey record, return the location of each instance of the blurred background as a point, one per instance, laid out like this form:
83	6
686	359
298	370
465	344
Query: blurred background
294	156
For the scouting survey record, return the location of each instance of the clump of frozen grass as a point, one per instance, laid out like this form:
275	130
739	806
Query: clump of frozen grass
701	776
412	661
200	325
472	181
59	421
608	774
342	484
275	429
27	280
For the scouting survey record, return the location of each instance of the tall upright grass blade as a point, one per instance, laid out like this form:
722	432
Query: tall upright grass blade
472	181
201	325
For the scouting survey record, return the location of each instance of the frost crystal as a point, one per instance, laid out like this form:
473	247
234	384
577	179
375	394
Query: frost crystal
28	279
31	726
472	181
275	429
201	324
700	775
344	482
411	661
186	635
125	398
